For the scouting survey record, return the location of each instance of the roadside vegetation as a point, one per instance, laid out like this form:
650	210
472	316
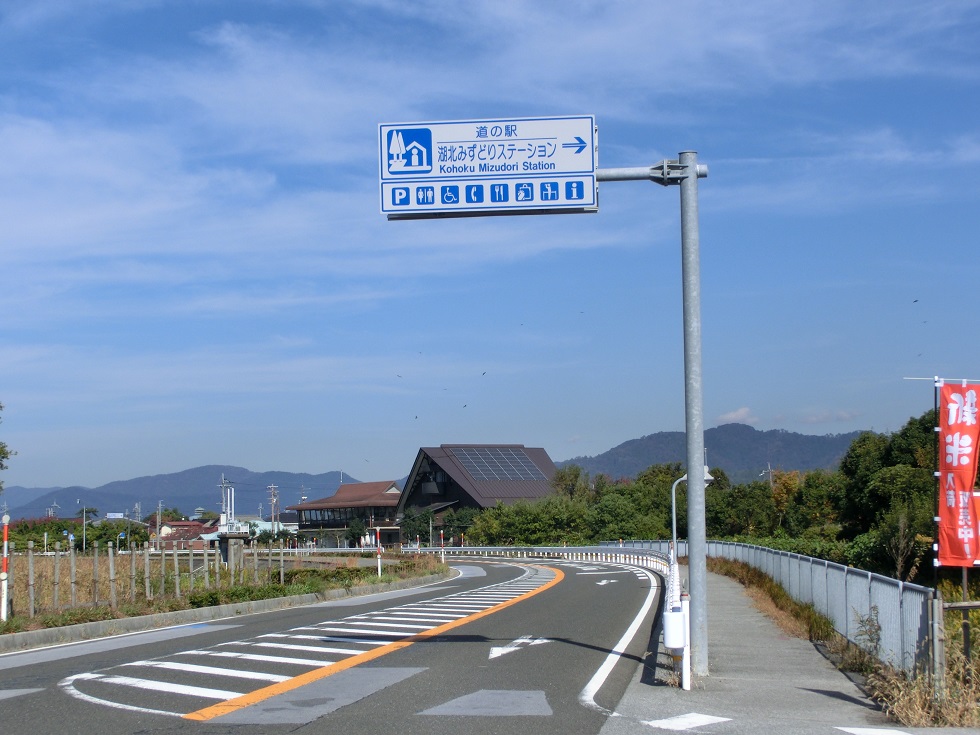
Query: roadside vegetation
335	573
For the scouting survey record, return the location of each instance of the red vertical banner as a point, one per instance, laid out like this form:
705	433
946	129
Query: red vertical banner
959	435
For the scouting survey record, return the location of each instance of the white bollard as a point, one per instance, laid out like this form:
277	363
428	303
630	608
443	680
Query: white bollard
686	661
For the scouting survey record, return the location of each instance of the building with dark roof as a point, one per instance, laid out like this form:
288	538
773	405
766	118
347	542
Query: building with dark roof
475	476
327	520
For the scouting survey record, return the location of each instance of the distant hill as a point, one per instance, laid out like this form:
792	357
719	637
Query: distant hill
742	451
185	490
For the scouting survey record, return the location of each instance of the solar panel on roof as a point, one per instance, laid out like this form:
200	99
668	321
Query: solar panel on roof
497	463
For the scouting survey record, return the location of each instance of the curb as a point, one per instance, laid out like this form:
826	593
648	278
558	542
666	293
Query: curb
14	642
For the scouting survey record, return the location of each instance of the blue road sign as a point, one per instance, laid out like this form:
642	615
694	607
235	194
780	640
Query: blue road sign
503	166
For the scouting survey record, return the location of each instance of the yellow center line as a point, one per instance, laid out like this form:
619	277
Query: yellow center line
260	695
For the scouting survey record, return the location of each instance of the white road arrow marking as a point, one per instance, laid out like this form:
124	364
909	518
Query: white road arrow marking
686	722
522	642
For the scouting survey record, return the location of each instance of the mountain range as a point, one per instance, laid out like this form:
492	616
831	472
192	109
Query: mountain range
743	452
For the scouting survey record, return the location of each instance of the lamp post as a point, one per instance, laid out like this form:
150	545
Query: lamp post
673	506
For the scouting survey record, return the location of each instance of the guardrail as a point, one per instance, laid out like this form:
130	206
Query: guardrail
852	599
651	559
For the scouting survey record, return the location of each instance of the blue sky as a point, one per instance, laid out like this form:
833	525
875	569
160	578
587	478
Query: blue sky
195	268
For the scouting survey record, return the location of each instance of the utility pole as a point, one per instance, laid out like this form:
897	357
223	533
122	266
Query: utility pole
685	172
274	509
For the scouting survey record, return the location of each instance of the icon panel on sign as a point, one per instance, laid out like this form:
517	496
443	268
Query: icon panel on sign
499	192
401	196
425	195
450	194
474	193
524	191
409	151
575	190
549	191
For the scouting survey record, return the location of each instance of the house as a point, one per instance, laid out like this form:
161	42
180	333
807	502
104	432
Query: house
183	534
475	476
328	520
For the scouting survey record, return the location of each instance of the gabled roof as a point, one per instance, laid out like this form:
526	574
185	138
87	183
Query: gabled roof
488	473
356	495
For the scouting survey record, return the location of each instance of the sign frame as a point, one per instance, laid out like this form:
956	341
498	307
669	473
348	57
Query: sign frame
499	166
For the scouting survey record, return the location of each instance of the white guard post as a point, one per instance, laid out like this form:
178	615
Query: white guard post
677	625
3	571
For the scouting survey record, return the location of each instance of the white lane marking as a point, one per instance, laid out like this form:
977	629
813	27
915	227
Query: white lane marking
686	722
403	626
312	662
587	696
603	582
522	642
212	670
161	686
69	686
607	571
871	730
335	639
293	637
11	693
422	615
309	649
417	618
338	629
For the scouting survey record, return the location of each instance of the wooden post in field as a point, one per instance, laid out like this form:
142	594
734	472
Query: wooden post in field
112	577
176	573
73	577
207	568
57	572
163	571
146	570
30	579
255	562
95	573
132	572
282	564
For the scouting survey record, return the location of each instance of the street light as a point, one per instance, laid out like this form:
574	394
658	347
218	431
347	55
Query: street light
673	505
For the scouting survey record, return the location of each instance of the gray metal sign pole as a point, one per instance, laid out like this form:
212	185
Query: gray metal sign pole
685	172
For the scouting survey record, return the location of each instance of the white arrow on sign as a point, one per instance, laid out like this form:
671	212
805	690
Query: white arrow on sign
522	642
606	581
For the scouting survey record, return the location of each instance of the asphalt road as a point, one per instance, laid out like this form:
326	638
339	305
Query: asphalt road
503	648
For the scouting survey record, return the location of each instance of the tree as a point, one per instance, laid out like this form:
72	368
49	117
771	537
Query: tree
355	532
742	510
857	505
813	513
785	486
5	454
457	522
416	525
572	482
613	517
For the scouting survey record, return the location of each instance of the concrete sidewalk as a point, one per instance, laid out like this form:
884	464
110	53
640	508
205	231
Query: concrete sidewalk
760	680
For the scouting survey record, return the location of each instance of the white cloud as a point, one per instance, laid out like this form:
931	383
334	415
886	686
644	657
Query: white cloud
742	415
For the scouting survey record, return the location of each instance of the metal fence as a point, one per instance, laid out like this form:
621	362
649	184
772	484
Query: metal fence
854	600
